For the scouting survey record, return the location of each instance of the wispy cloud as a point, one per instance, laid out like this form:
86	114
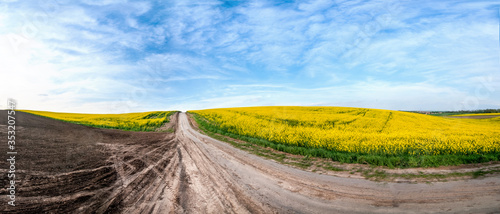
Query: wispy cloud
116	55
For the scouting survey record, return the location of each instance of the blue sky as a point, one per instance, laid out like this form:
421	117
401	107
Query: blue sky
117	56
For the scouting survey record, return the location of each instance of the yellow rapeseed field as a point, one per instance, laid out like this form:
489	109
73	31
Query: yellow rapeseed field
145	121
360	130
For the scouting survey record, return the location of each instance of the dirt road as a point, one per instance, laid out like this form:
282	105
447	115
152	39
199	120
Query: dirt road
187	172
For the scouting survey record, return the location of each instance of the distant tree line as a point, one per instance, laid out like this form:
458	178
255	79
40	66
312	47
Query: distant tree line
474	111
446	113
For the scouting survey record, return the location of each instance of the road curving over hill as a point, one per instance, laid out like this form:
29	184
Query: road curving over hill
69	168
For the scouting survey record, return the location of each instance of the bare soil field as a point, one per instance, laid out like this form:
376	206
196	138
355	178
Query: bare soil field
69	168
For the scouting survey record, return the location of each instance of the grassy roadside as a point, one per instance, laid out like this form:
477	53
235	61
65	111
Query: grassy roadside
382	175
368	166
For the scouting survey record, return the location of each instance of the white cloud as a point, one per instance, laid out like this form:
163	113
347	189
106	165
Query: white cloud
61	75
314	6
386	54
368	94
103	2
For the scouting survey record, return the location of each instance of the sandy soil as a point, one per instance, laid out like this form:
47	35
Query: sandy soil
69	168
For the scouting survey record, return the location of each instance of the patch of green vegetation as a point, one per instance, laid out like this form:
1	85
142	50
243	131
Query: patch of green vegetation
169	130
382	175
480	173
391	161
377	174
159	114
333	168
